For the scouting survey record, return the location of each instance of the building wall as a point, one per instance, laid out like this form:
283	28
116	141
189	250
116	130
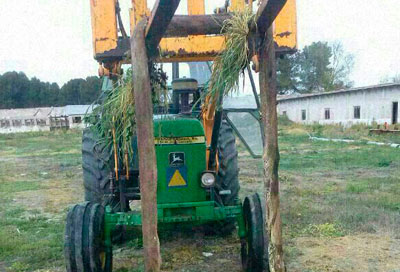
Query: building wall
76	121
375	104
19	125
43	119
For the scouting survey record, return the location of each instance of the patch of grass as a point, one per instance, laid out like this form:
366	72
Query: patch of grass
327	190
384	162
354	185
355	132
284	121
29	242
29	238
323	230
19	186
355	188
18	267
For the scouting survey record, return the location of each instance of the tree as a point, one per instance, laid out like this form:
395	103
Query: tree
147	154
314	63
268	92
288	74
71	92
90	89
340	68
17	91
13	90
318	67
53	94
36	95
80	91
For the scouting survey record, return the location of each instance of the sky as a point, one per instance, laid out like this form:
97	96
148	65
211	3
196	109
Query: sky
51	40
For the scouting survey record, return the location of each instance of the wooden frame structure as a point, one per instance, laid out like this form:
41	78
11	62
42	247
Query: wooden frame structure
195	37
192	37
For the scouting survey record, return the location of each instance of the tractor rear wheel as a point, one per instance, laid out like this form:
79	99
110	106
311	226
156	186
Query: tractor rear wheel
227	183
254	247
96	164
228	171
84	248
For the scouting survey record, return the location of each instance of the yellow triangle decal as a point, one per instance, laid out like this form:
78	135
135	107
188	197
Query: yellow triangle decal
177	180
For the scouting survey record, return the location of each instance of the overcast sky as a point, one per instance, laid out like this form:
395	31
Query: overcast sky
51	40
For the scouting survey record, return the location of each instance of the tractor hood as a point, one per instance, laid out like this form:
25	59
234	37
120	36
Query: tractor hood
175	126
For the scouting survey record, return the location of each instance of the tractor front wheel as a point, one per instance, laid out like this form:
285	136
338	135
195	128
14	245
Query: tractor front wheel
254	249
84	248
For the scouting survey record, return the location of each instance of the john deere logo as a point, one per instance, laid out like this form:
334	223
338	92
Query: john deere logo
176	158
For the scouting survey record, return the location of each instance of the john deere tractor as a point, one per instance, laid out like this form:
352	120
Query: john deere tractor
195	144
187	190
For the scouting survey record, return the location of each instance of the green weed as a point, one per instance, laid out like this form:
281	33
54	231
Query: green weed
324	230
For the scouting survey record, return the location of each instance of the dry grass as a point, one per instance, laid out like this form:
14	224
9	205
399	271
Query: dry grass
355	253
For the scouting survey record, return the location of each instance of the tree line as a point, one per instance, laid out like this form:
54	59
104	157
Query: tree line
18	91
319	67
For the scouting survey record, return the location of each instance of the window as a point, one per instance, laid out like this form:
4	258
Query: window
357	112
249	130
77	120
327	114
29	122
4	123
41	122
17	123
303	115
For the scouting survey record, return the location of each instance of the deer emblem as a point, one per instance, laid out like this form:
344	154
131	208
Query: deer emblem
176	159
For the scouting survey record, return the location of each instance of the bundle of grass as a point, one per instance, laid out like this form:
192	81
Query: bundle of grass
233	60
113	120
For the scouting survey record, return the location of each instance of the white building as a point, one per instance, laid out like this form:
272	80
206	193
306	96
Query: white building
43	119
366	105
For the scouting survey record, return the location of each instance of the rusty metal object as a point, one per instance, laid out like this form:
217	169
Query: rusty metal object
194	46
384	131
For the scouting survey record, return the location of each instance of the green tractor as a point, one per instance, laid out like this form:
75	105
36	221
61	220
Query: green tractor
197	182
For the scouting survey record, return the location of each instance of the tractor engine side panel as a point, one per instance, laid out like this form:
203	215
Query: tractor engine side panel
181	159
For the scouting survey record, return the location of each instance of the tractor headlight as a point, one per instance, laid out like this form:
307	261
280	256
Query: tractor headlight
208	179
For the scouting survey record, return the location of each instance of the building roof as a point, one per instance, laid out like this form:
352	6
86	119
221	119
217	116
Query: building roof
78	109
351	90
57	111
45	112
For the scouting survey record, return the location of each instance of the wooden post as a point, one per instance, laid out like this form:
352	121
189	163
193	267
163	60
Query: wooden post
147	155
271	152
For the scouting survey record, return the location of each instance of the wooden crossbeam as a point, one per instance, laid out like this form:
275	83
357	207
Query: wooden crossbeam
186	25
267	13
160	17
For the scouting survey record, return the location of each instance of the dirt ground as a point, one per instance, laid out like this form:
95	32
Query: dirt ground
340	208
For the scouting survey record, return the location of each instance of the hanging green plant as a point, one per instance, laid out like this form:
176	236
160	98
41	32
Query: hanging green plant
113	120
231	62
